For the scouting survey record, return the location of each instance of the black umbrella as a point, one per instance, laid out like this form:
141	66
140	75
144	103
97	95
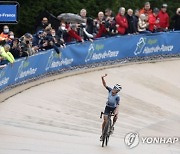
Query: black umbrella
71	18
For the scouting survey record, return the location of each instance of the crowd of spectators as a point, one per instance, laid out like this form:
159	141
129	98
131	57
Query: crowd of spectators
145	20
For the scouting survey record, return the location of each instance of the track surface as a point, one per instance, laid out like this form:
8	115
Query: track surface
62	117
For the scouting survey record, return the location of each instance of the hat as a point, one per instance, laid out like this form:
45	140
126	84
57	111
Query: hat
28	35
155	10
40	32
164	6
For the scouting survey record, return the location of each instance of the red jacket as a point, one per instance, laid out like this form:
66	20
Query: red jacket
146	12
152	22
122	22
3	36
72	34
102	30
163	19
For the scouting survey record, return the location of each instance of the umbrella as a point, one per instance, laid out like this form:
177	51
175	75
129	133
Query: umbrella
71	17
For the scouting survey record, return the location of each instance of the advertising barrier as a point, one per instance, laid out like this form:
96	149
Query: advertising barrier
80	54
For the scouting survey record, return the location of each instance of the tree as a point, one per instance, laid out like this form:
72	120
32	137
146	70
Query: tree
29	10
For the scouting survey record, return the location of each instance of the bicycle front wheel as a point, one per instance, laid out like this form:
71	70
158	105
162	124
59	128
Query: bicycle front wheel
108	132
105	134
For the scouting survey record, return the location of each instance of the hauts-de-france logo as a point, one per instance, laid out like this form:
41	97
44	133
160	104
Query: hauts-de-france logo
56	60
151	45
140	46
25	70
97	51
92	48
2	73
3	79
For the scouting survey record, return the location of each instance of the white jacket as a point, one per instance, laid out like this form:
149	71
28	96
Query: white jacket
142	25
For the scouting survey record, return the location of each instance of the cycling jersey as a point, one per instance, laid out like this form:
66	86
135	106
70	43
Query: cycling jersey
113	101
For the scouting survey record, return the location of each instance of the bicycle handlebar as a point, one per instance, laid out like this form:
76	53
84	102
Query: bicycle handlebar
111	114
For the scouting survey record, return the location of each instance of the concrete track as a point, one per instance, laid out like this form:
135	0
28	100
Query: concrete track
62	117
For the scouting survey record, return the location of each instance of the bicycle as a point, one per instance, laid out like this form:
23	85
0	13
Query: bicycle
107	129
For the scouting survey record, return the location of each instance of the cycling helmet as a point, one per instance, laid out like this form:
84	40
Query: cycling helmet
117	87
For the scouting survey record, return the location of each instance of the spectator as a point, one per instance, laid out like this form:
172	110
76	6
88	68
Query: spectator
100	26
108	13
98	23
83	14
44	24
4	34
58	42
146	10
16	49
142	24
62	32
6	55
26	44
72	33
10	37
68	32
163	18
131	22
154	21
37	38
86	29
110	23
176	19
136	18
121	21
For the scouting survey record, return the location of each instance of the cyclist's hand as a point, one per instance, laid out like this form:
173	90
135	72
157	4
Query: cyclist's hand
116	112
104	75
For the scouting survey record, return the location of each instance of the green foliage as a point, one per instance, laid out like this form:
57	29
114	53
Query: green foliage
30	9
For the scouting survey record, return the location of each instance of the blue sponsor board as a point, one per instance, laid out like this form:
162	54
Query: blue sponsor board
9	12
104	49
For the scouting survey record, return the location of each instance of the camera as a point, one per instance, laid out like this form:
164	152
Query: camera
83	25
27	42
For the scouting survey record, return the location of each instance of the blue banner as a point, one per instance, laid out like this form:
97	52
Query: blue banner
104	49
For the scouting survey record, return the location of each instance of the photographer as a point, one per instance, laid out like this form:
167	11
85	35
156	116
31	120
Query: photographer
100	26
48	42
26	44
110	25
98	23
85	29
82	31
176	19
56	39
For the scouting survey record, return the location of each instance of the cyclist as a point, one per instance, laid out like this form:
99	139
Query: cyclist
112	105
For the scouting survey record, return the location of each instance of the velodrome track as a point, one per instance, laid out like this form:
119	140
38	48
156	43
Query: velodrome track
62	116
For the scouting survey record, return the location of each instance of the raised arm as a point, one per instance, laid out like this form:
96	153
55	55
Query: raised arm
103	81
